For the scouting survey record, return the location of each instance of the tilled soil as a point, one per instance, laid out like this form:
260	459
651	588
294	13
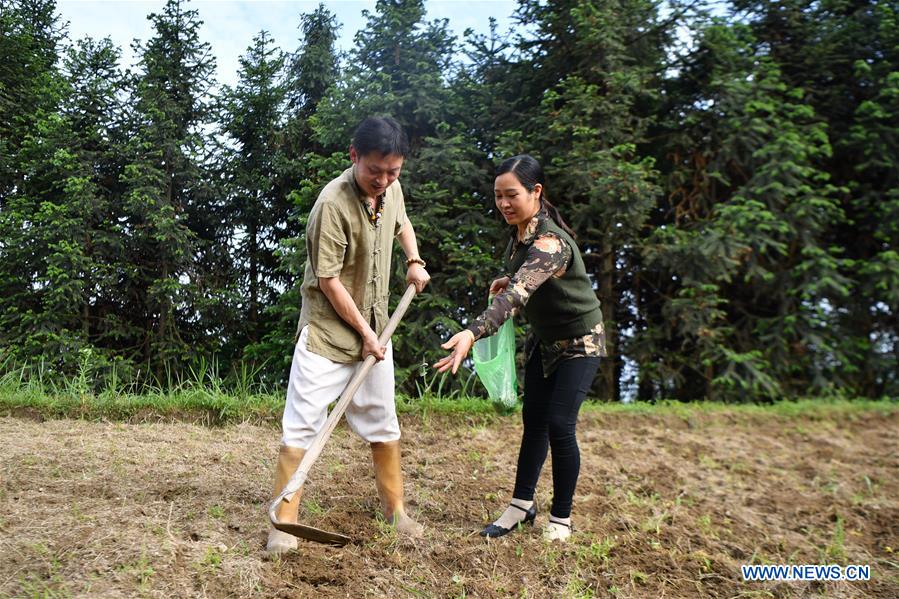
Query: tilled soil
666	506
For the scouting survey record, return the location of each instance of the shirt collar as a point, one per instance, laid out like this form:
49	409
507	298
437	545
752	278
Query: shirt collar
531	230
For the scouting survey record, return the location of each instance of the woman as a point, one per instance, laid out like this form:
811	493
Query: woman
549	283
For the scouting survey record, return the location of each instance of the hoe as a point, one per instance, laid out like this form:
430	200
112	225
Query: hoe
299	477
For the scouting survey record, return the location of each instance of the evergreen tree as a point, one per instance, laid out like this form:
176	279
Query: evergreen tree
458	236
30	36
396	68
734	192
842	53
173	222
875	193
252	121
298	164
312	70
755	276
74	241
30	89
599	74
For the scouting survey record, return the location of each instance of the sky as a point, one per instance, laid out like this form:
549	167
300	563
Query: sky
229	26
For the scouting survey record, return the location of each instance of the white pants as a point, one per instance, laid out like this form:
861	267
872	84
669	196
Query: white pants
316	381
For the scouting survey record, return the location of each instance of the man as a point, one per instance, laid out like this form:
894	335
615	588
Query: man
349	243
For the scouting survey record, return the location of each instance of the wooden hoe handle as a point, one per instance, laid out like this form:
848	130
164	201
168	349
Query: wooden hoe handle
312	453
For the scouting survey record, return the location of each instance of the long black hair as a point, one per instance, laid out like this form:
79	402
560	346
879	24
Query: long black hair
529	172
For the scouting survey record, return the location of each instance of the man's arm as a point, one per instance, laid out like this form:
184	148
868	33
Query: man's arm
346	308
415	273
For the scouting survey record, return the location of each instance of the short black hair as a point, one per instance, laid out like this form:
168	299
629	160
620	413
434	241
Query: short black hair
381	134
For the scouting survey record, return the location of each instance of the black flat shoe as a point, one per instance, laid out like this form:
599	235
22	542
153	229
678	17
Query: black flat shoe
492	530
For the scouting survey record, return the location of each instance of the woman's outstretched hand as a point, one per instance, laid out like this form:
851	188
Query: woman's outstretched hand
498	286
461	344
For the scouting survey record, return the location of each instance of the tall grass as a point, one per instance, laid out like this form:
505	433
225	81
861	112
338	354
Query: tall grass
204	395
208	397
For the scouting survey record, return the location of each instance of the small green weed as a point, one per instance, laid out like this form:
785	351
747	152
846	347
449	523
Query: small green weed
835	551
212	560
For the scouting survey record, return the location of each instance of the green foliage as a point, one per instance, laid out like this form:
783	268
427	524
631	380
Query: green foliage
751	249
585	127
252	121
397	68
445	188
60	228
30	38
205	395
734	191
174	233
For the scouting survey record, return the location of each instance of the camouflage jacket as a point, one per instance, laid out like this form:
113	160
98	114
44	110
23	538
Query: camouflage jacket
547	257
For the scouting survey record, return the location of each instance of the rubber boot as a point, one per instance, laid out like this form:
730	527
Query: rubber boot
389	480
289	459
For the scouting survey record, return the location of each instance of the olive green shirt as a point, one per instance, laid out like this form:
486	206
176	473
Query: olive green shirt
342	241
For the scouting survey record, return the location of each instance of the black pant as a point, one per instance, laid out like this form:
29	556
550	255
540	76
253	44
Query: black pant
550	416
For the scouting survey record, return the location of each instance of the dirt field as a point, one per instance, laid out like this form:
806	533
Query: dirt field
667	506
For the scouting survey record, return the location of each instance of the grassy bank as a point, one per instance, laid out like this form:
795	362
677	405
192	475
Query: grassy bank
215	406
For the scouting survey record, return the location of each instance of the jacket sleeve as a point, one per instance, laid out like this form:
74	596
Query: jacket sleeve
548	256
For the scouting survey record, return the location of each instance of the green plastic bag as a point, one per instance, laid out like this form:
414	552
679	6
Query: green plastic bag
494	361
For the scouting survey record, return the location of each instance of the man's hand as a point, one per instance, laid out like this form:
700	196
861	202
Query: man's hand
371	346
460	343
498	286
418	276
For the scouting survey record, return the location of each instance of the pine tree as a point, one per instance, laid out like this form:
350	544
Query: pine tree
74	240
594	76
875	193
253	123
30	36
841	55
311	72
298	165
748	314
458	237
174	223
396	68
30	89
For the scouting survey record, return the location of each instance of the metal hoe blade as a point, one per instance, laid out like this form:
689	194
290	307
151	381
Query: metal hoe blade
313	534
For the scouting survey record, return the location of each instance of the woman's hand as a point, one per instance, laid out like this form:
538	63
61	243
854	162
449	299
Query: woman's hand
498	286
461	344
